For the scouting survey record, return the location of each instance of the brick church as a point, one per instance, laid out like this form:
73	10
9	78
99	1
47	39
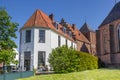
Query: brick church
108	38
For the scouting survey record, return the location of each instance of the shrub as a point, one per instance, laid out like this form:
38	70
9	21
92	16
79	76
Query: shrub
86	61
64	60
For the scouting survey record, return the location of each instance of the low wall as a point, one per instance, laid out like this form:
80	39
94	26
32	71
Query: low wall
16	75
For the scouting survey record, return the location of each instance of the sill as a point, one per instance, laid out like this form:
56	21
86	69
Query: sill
41	42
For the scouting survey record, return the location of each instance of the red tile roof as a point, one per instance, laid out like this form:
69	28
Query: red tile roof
40	19
79	36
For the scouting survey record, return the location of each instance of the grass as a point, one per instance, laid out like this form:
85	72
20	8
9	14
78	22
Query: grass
98	74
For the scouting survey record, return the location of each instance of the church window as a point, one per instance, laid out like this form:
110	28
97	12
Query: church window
105	44
119	38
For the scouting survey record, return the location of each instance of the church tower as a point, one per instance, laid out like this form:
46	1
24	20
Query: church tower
90	35
108	38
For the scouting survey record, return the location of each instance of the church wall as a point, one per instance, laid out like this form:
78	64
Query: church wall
105	58
105	52
93	42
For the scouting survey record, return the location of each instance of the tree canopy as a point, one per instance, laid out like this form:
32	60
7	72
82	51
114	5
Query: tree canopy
7	30
7	34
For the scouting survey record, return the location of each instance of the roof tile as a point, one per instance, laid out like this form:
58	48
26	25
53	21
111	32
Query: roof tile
113	15
40	19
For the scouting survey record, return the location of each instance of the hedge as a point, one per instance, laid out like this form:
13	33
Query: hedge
64	60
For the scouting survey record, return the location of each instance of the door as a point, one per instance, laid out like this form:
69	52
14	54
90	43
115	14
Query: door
41	58
27	60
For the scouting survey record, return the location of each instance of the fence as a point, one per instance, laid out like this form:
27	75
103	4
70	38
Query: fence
16	75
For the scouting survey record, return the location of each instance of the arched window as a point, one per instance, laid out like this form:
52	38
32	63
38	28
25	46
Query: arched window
118	32
84	48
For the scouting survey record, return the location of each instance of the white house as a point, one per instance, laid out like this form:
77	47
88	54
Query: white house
17	54
39	36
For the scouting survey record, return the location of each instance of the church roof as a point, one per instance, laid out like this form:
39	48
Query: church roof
85	28
113	15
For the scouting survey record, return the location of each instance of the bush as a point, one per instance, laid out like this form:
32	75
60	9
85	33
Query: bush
64	60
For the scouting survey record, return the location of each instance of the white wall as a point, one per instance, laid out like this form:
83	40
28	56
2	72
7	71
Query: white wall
26	46
51	42
41	46
54	40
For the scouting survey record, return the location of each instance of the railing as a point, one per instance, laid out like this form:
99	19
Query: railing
16	75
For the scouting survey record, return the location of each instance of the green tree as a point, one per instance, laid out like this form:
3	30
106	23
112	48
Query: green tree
7	56
7	34
7	30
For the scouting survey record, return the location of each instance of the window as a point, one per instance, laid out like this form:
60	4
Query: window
72	44
119	38
27	60
41	58
20	37
42	36
28	36
66	42
56	25
70	33
59	41
64	30
105	44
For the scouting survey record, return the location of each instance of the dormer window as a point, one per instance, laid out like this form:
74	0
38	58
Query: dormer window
64	30
56	25
70	33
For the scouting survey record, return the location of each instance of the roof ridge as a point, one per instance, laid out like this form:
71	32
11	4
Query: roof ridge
43	18
85	27
113	15
35	17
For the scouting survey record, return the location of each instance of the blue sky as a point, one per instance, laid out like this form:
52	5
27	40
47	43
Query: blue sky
73	11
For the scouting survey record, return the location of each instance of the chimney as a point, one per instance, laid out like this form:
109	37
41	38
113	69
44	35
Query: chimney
51	16
73	26
62	20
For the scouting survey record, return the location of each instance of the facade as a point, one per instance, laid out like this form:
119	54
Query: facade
108	38
41	33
